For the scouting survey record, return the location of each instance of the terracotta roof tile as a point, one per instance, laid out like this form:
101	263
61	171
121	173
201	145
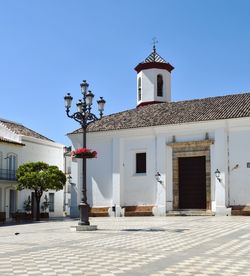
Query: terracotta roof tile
22	130
214	108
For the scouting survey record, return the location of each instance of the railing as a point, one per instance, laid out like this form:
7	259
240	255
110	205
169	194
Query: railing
7	174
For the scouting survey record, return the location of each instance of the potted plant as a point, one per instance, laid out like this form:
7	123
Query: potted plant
27	205
44	207
83	153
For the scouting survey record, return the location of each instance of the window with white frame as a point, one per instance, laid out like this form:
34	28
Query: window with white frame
11	165
11	162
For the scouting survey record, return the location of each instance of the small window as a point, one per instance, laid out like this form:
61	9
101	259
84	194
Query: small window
139	89
51	202
11	162
141	162
159	86
11	166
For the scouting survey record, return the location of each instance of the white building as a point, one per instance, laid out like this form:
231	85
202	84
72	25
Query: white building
183	143
18	145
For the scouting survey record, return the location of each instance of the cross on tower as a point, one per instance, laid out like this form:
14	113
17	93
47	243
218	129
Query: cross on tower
154	39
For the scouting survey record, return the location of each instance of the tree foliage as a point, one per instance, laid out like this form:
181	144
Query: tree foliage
40	177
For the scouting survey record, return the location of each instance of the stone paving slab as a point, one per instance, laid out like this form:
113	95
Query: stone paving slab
129	246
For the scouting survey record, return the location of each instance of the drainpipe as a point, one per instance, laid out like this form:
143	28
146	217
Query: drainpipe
228	166
64	188
67	150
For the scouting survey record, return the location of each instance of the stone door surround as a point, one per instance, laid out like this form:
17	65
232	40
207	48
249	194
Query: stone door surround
191	149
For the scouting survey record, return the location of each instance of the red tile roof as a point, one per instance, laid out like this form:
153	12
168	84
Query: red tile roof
213	108
22	130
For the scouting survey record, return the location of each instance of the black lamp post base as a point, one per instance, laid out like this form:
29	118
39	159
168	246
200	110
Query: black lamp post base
83	223
81	228
84	214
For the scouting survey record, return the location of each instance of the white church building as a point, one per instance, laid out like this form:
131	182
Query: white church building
162	155
19	145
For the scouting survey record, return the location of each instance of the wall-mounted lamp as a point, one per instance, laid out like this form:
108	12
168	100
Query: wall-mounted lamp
69	177
158	177
217	175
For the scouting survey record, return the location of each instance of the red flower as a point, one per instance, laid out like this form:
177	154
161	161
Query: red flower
84	152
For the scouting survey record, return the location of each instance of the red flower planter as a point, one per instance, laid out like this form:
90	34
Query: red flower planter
84	153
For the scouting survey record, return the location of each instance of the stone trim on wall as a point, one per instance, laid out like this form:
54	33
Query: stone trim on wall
191	149
201	143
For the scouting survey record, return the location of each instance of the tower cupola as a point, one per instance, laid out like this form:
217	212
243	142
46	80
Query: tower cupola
153	80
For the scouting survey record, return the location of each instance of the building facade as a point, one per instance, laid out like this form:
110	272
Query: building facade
164	154
18	145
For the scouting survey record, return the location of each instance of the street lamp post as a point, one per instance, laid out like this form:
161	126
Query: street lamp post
84	117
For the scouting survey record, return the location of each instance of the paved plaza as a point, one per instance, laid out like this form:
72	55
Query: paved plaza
129	246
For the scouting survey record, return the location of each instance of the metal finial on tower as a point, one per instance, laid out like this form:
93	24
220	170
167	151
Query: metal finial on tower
154	39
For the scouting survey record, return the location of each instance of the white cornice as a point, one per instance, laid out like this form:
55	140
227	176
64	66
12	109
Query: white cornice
41	141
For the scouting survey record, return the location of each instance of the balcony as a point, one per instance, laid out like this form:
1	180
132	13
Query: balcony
7	174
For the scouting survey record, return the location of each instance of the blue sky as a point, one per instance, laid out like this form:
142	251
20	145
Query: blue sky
48	47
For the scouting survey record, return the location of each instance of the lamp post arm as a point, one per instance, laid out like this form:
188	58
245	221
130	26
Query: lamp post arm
91	118
74	116
83	119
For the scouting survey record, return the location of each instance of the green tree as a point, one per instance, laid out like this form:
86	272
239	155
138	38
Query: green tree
40	177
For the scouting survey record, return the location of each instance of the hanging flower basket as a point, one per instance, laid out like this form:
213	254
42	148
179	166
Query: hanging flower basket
84	153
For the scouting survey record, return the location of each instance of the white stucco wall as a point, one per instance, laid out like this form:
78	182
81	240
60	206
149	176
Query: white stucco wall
134	183
99	170
239	140
49	152
220	162
100	173
114	181
39	150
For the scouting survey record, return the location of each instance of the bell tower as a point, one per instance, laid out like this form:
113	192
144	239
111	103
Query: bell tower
153	80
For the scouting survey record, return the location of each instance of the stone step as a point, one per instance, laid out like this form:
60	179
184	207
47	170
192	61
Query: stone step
133	211
138	214
191	212
98	212
241	210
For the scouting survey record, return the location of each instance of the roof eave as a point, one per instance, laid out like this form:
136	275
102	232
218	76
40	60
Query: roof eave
157	65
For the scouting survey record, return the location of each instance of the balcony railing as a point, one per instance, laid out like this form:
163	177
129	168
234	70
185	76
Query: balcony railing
7	174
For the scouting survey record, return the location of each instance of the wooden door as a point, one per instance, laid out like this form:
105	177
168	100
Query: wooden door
192	182
12	208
